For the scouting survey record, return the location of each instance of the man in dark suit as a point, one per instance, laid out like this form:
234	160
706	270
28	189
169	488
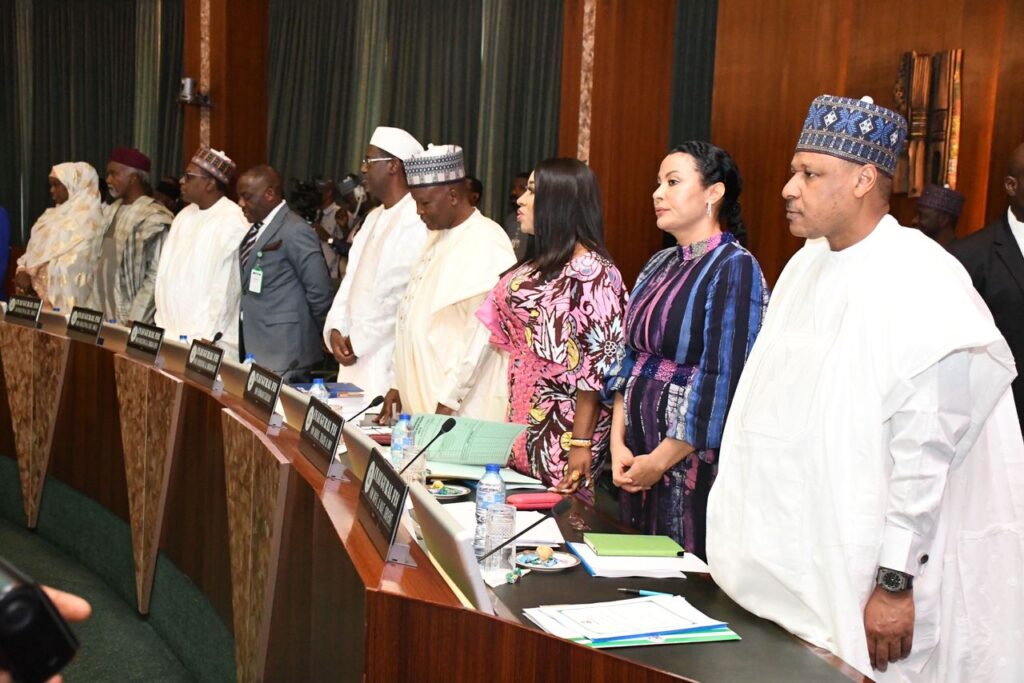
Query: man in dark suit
286	291
993	257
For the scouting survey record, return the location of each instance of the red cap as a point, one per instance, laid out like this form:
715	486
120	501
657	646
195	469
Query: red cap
131	157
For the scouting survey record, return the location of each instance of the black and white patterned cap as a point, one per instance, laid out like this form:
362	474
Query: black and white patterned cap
437	165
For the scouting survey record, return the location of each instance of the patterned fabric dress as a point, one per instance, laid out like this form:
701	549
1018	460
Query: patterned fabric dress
562	336
690	324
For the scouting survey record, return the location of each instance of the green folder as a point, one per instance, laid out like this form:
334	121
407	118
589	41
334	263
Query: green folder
632	545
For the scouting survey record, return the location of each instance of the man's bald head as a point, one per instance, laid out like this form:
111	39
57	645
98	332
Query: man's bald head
259	190
1014	182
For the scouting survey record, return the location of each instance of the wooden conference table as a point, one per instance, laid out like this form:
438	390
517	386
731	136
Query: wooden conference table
282	559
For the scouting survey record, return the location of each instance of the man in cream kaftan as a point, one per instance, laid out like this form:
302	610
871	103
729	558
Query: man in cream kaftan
443	360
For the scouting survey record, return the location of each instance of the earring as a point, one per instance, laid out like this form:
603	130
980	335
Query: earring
709	209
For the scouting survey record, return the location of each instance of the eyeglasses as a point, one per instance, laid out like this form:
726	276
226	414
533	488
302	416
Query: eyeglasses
369	160
186	175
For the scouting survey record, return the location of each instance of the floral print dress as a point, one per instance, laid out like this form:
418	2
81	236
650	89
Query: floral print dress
562	336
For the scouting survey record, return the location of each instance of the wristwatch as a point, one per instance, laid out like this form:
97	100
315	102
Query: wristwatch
893	581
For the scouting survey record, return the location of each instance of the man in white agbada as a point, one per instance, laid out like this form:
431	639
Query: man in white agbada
360	327
198	290
443	361
870	492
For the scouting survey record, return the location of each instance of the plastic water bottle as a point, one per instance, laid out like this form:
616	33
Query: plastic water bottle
183	338
400	434
489	491
249	360
418	471
319	390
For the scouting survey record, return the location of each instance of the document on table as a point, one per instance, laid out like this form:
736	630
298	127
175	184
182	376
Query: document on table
470	442
546	533
619	566
452	470
640	621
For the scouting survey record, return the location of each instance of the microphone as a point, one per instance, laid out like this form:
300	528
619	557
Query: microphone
373	404
217	337
445	428
559	507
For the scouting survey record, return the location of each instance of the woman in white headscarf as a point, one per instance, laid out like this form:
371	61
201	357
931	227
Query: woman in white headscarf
58	263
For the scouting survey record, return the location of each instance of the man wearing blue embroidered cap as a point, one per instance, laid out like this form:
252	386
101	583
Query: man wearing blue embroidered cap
870	493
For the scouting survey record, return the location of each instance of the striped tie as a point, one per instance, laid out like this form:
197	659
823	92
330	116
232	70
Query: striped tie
248	242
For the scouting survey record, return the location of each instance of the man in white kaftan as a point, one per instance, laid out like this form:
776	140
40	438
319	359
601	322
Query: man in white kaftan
198	291
443	361
360	327
870	493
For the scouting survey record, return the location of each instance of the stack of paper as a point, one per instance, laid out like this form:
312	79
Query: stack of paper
646	567
652	620
546	533
451	470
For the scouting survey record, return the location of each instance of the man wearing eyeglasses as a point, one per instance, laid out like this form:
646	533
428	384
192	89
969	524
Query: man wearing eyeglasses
197	285
360	328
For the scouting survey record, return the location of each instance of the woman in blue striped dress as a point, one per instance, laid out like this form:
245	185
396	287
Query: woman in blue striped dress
689	326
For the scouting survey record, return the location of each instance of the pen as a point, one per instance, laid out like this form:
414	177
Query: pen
641	593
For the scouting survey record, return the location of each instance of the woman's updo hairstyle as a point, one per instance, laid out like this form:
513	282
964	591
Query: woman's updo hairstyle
715	165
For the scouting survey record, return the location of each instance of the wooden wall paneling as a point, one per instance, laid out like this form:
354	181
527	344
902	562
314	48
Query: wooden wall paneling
629	122
771	59
1008	127
198	541
238	46
150	411
256	487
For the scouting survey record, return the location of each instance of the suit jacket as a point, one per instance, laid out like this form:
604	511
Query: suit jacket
996	266
281	325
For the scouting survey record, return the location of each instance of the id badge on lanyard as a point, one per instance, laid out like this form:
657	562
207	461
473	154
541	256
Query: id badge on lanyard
256	276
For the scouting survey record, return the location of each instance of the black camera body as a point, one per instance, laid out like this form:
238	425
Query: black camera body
35	641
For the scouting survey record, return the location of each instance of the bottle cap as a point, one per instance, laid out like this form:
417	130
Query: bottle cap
318	380
249	356
493	468
404	416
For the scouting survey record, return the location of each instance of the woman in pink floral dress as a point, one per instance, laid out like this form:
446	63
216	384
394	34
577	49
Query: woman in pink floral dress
559	316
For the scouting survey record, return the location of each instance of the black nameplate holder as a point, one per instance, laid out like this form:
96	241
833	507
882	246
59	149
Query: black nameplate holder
381	505
320	436
84	324
262	389
24	311
144	342
203	365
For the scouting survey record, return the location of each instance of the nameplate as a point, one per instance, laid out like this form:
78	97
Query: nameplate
84	324
23	310
262	388
144	342
381	504
321	433
203	363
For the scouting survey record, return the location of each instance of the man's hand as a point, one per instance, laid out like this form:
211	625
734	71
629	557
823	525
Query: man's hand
22	282
341	349
889	626
391	407
442	409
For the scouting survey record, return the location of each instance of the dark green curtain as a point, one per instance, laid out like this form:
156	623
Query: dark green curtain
169	156
83	95
9	195
432	86
310	75
693	72
520	96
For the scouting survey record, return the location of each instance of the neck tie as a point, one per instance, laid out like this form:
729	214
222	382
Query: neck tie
248	242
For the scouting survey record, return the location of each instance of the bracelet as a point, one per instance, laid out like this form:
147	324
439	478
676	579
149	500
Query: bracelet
581	443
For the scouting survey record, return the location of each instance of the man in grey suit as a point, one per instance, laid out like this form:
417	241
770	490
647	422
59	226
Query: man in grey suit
286	291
